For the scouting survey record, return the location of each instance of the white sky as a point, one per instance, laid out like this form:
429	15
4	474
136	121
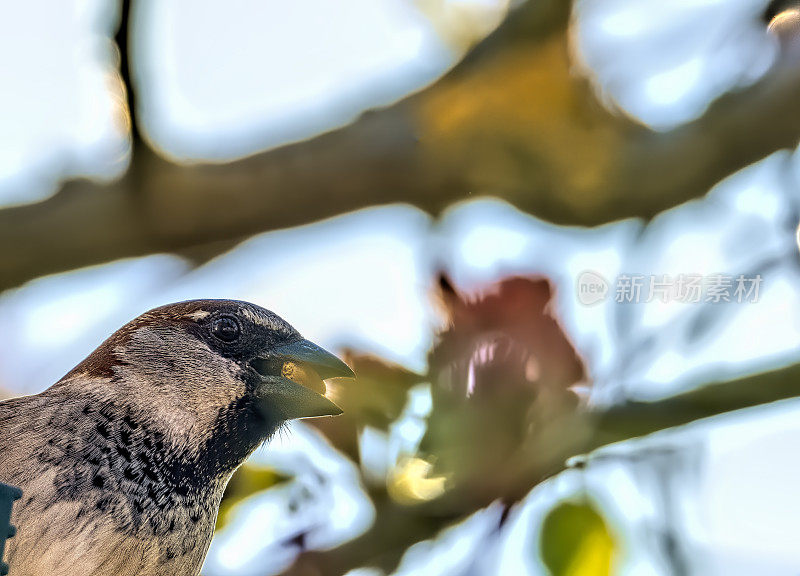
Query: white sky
269	72
665	62
61	108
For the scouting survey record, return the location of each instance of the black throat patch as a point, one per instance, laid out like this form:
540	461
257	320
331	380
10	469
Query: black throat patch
123	467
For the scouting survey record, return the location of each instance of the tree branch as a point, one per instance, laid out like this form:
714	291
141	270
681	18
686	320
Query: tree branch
511	120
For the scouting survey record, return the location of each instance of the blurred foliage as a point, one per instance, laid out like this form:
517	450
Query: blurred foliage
375	398
498	428
413	481
525	125
575	541
461	25
503	341
501	369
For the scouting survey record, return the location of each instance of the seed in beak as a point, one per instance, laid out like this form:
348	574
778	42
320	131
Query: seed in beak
304	376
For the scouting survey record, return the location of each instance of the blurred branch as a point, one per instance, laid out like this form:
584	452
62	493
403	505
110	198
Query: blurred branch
575	434
396	528
123	41
512	120
578	433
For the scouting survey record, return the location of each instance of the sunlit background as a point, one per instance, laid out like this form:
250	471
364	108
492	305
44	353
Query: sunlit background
212	83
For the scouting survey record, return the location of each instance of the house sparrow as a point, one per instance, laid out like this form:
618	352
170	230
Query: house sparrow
123	461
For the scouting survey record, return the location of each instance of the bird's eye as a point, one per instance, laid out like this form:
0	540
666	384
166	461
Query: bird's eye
226	329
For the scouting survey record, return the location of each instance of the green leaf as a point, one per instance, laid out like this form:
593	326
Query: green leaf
576	541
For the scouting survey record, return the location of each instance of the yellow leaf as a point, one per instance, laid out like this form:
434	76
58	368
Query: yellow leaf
576	541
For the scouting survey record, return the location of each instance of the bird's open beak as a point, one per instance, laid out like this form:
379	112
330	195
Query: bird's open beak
288	394
323	362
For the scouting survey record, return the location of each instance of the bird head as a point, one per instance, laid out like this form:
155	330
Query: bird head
206	364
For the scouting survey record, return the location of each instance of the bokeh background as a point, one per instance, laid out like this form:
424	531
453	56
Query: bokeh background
420	185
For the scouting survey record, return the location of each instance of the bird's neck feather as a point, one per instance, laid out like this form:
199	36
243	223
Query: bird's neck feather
194	448
126	461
